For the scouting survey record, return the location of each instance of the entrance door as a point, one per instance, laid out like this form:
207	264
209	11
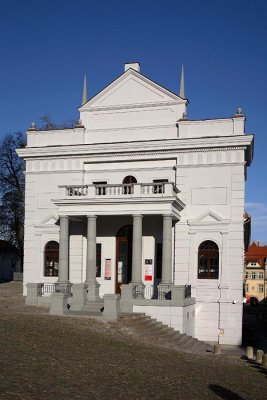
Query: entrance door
124	257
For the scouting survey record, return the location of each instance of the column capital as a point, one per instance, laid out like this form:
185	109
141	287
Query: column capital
167	216
91	216
137	215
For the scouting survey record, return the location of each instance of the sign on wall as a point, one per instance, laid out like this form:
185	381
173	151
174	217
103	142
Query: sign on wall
108	268
148	269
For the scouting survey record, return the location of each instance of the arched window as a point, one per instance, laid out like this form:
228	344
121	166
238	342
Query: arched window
208	260
128	181
51	255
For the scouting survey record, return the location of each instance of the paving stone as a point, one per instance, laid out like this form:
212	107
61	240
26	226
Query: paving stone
75	357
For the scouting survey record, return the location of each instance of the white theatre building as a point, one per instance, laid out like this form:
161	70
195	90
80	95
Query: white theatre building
141	201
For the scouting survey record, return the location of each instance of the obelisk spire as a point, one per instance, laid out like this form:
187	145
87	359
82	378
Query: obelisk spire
182	92
84	91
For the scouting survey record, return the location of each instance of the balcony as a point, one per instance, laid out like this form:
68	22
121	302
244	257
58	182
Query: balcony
99	199
135	190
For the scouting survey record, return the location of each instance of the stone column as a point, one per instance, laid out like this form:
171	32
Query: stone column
93	286
63	270
167	250
137	250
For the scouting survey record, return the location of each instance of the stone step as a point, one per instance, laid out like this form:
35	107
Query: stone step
154	331
93	307
158	331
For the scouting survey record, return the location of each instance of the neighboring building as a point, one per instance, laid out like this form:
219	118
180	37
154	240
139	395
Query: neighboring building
255	271
138	195
9	261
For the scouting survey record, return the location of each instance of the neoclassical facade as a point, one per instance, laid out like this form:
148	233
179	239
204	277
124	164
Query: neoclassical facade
139	196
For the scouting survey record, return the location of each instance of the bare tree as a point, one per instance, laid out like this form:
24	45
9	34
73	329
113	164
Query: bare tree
12	187
47	123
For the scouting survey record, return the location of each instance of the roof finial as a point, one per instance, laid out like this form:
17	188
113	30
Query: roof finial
84	91
182	93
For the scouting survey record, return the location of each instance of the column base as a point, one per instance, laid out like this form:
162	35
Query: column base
111	307
92	291
59	304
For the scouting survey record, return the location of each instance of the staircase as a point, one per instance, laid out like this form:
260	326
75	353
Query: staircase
93	308
146	329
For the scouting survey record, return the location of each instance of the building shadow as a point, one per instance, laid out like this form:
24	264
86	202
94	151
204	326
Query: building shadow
224	393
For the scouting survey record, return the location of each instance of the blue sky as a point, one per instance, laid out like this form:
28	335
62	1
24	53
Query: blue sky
46	46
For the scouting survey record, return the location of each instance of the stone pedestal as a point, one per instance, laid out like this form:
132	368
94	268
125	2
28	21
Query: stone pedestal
111	307
33	291
79	296
59	303
250	353
178	294
259	355
126	302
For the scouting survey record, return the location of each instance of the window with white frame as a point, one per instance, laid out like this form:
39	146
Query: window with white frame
51	256
208	260
261	288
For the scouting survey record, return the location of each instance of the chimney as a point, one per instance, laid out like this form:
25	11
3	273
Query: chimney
135	66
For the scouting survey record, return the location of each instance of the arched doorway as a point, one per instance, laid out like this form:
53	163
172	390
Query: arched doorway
124	256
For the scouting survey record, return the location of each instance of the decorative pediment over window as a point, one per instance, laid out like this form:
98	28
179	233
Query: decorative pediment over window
129	89
208	218
47	225
51	219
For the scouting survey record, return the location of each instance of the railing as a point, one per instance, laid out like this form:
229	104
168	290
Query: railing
159	292
138	291
77	190
150	291
153	188
49	288
113	191
109	190
164	292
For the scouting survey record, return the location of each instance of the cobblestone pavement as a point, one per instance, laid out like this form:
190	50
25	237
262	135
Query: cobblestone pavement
48	357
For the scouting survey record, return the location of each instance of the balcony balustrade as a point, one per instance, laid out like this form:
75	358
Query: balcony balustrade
163	189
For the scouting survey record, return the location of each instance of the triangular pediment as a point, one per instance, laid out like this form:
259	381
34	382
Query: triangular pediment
132	88
49	220
208	217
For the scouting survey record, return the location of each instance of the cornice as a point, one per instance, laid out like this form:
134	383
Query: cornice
111	201
150	147
129	128
133	106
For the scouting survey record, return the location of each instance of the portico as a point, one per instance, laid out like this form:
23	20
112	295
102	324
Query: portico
137	259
